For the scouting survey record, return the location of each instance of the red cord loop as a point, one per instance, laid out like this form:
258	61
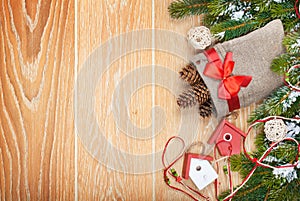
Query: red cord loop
254	160
258	162
297	9
178	179
171	171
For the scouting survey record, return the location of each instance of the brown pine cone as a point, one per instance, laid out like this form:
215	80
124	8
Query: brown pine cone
187	99
190	74
197	94
201	92
205	110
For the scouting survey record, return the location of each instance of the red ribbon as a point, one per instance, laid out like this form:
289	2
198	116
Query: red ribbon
230	85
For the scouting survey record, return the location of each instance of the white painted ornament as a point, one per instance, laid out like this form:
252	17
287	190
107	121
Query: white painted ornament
275	130
202	173
199	37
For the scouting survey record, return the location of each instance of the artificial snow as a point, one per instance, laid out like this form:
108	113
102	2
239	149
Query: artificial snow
279	1
296	45
271	159
290	100
237	15
289	173
293	129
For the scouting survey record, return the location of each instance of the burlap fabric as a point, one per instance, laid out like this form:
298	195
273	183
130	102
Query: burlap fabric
252	54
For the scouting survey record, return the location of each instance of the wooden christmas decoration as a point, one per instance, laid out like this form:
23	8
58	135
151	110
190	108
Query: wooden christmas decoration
198	168
187	162
227	138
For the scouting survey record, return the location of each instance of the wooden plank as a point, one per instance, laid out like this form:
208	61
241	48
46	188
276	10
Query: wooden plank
36	102
99	22
36	97
167	100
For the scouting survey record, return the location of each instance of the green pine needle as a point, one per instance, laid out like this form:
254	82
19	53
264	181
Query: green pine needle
233	29
292	43
182	8
273	105
284	62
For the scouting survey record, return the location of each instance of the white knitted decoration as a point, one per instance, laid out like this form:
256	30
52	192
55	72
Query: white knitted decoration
199	37
275	130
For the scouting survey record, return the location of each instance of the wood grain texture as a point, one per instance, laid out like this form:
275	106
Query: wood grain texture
98	23
95	181
36	81
40	158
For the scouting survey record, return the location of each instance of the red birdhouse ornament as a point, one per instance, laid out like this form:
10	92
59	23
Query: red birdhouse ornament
227	138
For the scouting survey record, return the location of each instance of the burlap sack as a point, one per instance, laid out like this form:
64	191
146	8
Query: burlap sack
252	54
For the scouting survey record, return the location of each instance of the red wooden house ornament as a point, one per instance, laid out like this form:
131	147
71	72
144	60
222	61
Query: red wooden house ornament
226	136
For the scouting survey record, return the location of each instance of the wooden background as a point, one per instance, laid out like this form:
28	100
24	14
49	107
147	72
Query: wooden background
42	47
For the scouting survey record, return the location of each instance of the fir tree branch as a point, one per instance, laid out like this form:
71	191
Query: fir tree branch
233	28
182	8
272	106
292	43
227	7
236	28
291	24
282	63
250	190
267	195
282	10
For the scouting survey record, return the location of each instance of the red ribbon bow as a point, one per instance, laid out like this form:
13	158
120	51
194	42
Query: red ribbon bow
230	85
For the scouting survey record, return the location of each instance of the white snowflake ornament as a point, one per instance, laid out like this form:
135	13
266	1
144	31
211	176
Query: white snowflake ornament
275	130
199	37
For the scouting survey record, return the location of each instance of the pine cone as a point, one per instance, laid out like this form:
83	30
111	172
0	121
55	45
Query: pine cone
197	94
190	74
205	110
201	92
186	99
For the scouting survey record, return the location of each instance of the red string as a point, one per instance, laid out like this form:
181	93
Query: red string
178	179
165	149
287	83
228	166
297	9
258	162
